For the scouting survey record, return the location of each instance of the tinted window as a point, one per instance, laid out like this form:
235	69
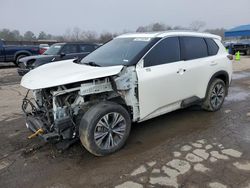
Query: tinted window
193	48
69	49
86	48
167	51
54	49
212	47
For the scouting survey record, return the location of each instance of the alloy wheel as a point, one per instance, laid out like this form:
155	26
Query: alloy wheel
110	130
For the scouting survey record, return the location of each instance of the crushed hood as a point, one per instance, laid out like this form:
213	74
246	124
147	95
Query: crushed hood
65	72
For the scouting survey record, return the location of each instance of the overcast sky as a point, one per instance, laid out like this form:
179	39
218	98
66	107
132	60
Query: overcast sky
56	16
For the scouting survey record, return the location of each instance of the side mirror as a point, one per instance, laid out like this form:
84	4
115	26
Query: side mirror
62	54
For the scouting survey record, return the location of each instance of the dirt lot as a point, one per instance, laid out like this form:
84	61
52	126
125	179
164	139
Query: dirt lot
186	148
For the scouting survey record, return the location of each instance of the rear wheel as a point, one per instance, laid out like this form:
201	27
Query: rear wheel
215	95
248	52
104	128
18	58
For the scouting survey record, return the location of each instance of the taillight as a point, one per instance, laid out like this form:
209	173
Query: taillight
42	50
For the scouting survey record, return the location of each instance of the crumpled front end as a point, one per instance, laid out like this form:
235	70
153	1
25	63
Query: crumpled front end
55	113
50	116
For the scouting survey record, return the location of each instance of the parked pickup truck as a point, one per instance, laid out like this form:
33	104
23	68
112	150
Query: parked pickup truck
12	53
241	46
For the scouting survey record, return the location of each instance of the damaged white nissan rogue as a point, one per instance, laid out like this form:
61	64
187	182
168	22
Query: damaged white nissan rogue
132	78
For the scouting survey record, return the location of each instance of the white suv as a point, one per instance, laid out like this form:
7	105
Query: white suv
132	78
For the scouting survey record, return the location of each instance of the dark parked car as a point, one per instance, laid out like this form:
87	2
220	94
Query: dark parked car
13	53
57	52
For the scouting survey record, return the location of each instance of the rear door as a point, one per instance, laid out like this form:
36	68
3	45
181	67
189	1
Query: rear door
197	66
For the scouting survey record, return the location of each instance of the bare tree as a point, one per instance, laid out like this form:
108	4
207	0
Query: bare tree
220	32
197	25
158	27
67	35
105	37
76	34
180	28
42	35
29	36
153	27
89	36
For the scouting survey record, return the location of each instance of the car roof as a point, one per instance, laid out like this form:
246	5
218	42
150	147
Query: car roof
168	34
63	43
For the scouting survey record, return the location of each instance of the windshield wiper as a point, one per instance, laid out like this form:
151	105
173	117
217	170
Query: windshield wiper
91	63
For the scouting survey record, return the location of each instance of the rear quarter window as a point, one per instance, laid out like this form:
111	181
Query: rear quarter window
193	48
212	47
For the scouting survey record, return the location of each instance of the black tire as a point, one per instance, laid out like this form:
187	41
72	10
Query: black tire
248	52
215	96
90	129
18	58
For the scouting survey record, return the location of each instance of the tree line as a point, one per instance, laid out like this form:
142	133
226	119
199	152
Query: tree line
77	34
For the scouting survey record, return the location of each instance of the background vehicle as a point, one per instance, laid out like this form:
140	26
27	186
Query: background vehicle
12	53
242	46
133	78
43	48
57	52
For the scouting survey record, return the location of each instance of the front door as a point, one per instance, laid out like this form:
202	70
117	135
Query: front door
160	79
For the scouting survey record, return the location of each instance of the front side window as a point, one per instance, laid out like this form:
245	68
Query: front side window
193	48
166	51
54	49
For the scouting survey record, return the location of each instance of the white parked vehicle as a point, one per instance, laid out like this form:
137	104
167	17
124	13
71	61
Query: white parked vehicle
133	78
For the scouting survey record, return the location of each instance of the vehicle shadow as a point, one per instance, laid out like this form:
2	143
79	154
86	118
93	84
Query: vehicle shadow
7	65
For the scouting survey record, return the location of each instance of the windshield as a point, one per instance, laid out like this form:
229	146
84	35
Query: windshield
119	51
53	50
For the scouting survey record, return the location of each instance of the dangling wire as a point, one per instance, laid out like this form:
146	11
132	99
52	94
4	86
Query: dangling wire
27	102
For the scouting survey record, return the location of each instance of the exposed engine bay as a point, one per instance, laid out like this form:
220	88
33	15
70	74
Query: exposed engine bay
55	113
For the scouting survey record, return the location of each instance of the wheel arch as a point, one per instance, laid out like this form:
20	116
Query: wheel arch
22	52
119	100
223	75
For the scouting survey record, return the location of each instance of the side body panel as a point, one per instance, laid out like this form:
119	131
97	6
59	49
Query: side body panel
163	87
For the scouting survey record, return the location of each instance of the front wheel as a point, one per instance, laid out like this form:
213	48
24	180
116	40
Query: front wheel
215	95
104	128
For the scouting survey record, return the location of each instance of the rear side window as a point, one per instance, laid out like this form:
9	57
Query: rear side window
167	51
86	48
70	48
193	48
212	47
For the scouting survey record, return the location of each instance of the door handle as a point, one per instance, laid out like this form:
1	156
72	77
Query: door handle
181	71
213	63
